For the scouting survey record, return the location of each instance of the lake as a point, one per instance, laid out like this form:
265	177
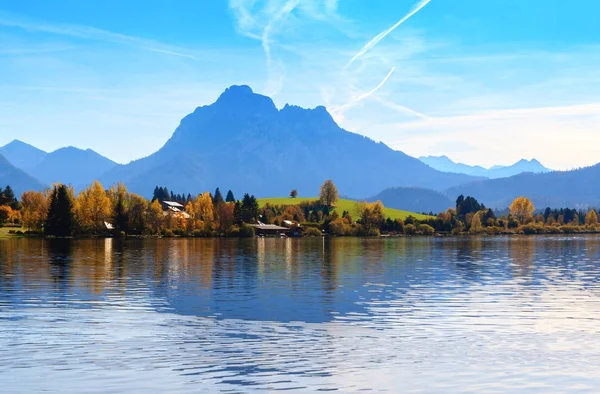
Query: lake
503	314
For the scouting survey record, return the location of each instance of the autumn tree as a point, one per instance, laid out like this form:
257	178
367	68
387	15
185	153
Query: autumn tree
591	219
137	214
6	213
294	193
522	209
155	216
476	226
329	194
191	211
118	200
34	210
59	220
92	207
371	214
224	217
204	209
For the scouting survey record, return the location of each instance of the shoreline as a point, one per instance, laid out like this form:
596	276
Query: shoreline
23	235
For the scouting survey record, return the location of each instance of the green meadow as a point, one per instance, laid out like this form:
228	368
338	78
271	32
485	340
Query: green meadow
341	206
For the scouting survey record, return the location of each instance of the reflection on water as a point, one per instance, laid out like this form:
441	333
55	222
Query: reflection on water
396	315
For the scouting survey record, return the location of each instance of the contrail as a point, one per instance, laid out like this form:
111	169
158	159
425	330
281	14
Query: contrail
369	45
367	94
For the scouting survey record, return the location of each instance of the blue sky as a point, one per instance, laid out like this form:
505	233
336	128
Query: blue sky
484	82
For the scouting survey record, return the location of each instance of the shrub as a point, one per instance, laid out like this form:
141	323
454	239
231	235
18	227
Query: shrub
311	224
246	231
179	232
410	229
168	234
426	229
494	230
530	229
372	232
553	230
311	232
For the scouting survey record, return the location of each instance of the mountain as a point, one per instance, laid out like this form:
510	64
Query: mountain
22	155
18	180
444	163
558	189
414	199
72	166
244	143
519	167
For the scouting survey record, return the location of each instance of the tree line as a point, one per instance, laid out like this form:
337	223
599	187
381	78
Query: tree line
96	211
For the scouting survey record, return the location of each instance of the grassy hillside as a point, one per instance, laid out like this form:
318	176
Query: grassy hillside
342	205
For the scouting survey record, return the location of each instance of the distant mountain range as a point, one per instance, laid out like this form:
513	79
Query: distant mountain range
71	166
556	189
444	163
244	143
22	155
18	179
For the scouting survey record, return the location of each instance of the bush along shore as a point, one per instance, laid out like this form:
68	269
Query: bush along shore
114	212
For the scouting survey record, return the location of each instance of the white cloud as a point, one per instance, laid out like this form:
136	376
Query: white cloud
91	33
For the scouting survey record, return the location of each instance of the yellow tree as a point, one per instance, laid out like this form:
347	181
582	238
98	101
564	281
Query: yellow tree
190	210
204	210
329	194
155	216
116	194
93	207
6	213
35	210
137	214
522	209
476	226
371	214
591	219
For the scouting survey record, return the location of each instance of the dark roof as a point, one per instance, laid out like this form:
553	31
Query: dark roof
269	227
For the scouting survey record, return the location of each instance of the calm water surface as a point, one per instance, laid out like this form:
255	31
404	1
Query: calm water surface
385	315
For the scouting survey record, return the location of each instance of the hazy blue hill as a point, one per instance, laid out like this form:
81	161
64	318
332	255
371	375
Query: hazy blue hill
22	155
72	166
18	180
244	143
444	163
414	199
519	167
554	189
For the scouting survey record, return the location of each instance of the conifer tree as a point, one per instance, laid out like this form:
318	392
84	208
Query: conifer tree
218	197
230	197
60	221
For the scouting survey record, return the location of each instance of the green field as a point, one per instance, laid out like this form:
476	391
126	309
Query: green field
4	231
341	206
